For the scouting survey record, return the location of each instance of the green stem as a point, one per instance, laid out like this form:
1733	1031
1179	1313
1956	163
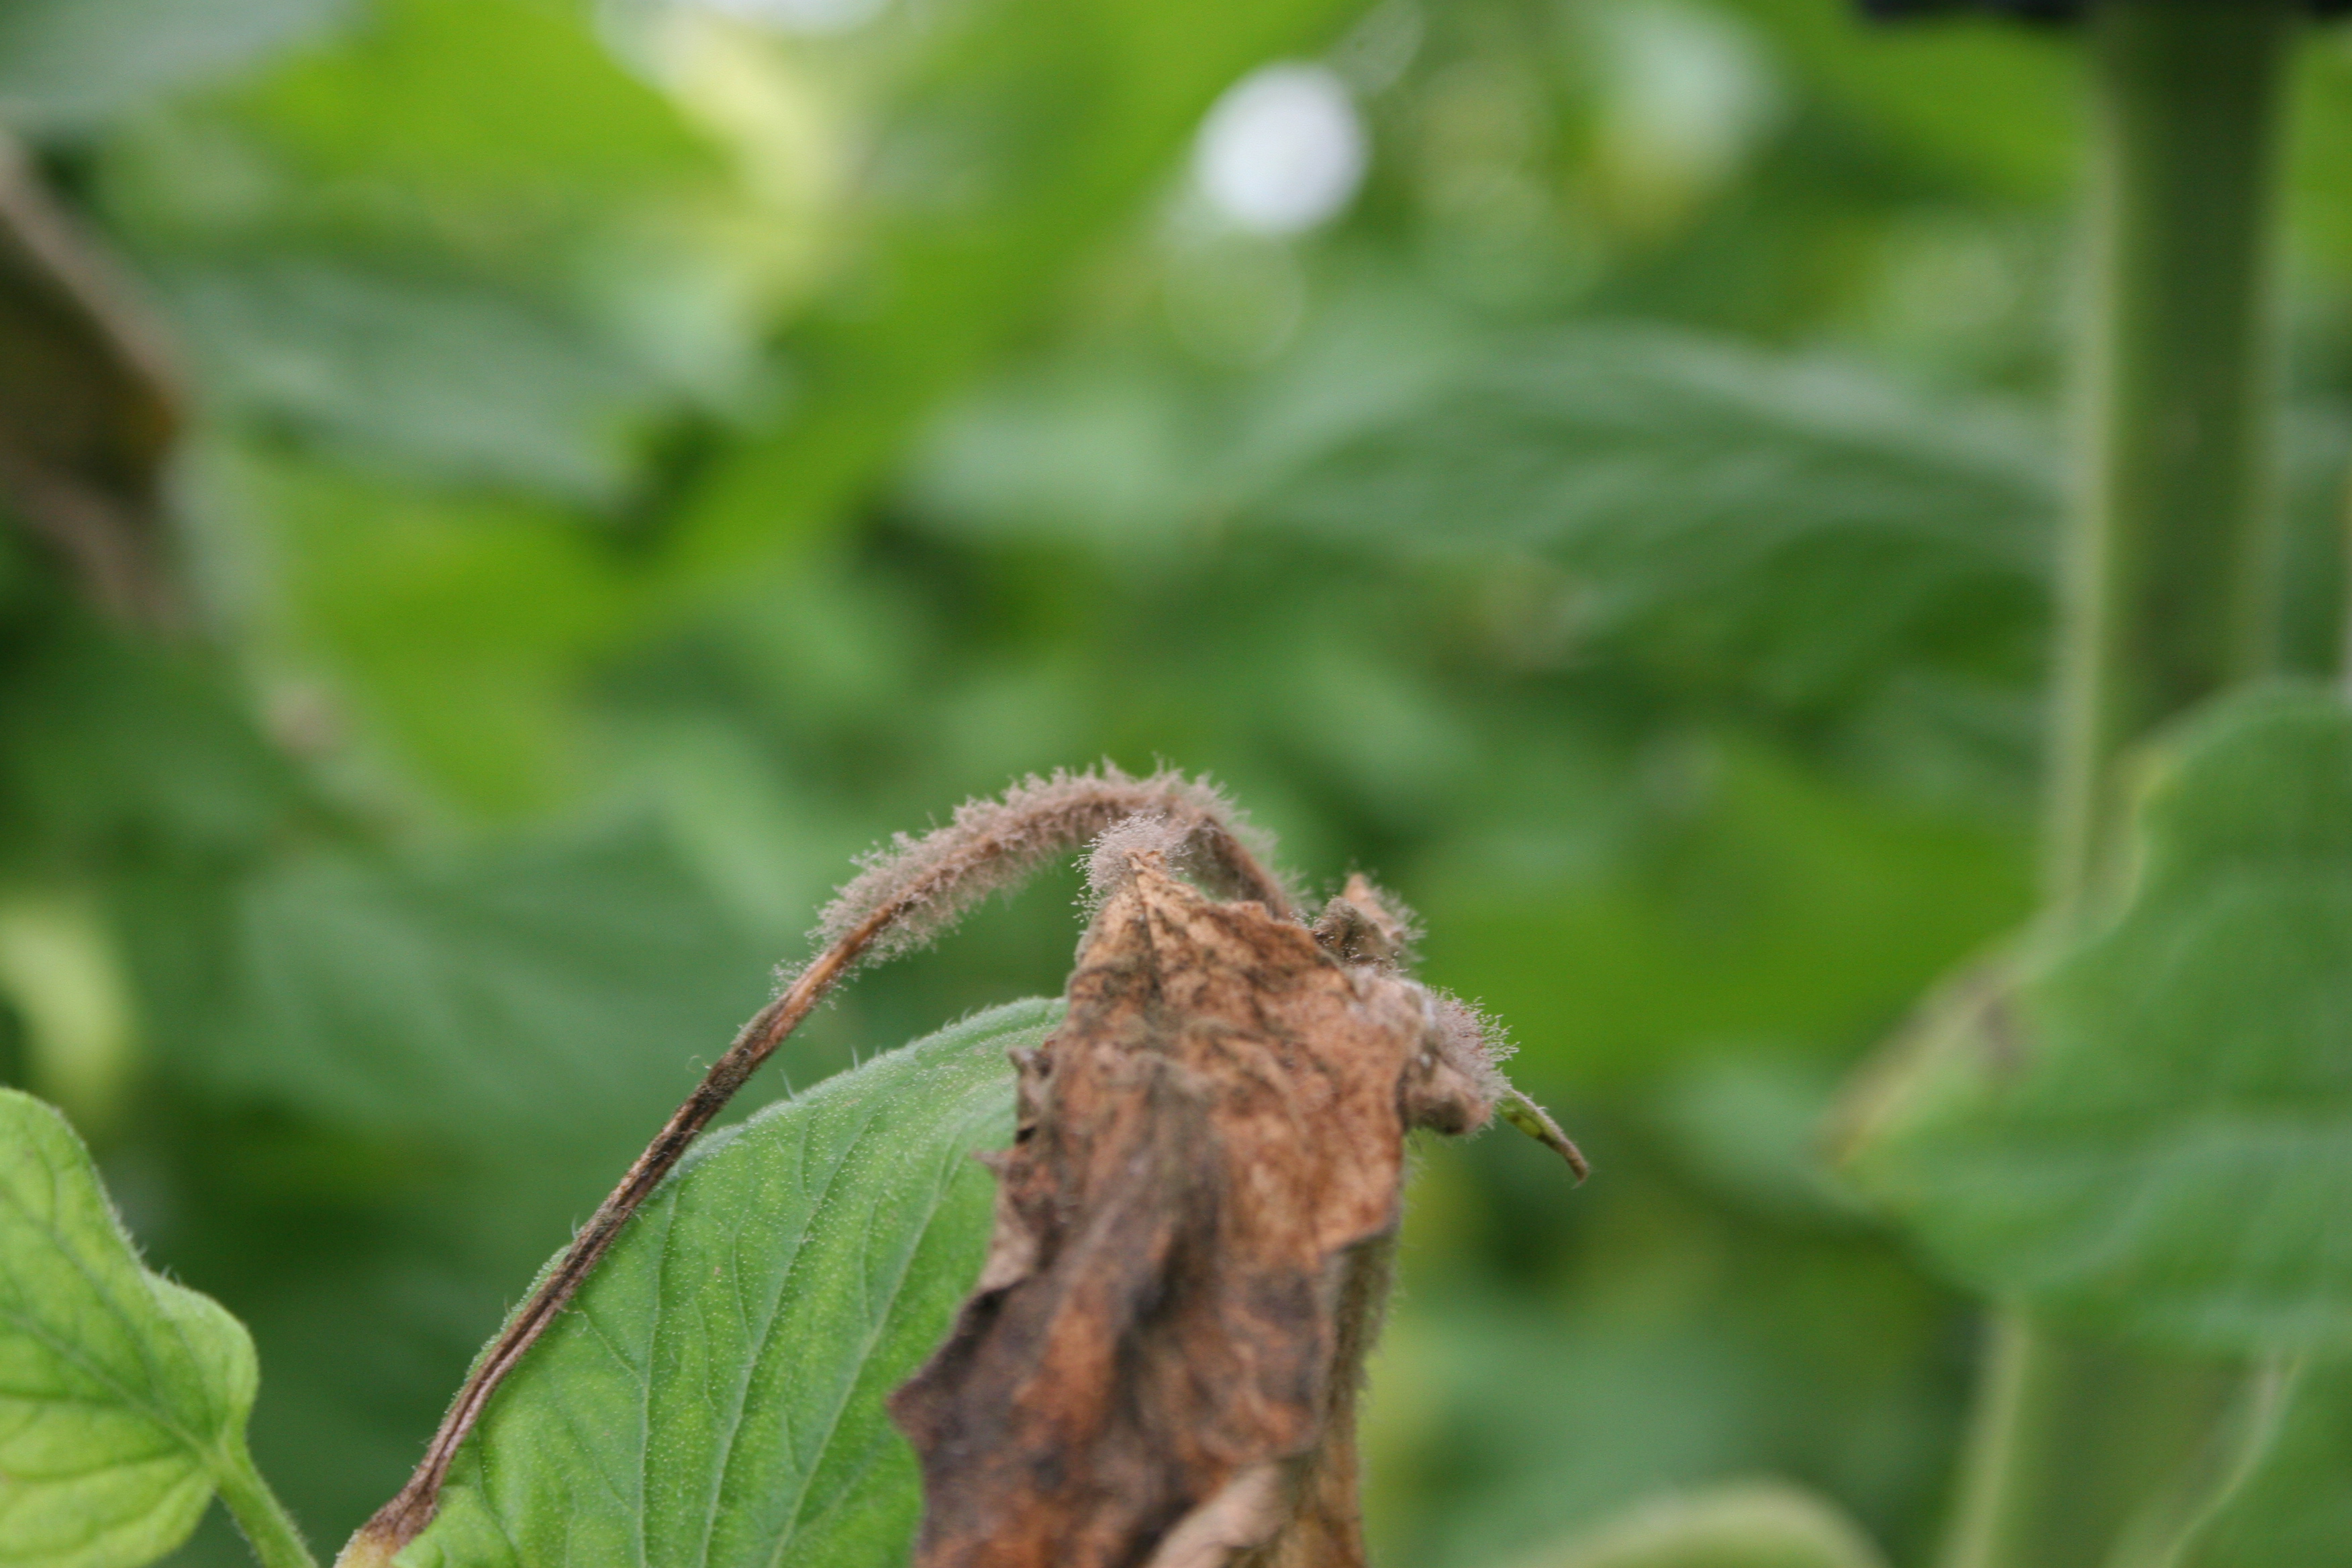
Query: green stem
2170	563
2082	1443
2167	598
268	1529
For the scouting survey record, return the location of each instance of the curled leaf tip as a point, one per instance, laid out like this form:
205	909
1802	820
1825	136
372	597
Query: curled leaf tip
1536	1121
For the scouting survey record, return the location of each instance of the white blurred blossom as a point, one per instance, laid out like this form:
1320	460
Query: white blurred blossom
801	16
1283	150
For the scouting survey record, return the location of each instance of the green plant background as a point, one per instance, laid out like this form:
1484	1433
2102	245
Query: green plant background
642	457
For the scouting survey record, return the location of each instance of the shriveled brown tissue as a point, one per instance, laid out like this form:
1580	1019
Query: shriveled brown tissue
1158	1367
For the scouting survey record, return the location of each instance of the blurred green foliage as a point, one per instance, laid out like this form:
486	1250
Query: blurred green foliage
2163	1163
643	453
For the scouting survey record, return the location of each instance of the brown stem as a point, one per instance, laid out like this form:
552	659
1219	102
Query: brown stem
924	884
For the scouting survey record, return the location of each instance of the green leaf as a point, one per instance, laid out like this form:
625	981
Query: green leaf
1119	446
2289	1506
118	748
1977	99
714	1395
542	992
1805	517
464	243
515	598
480	102
122	1397
65	64
1766	902
2152	1125
447	381
1759	1525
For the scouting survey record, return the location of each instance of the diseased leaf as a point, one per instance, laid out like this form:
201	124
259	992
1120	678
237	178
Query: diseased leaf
714	1394
1160	1362
2152	1126
1807	517
122	1397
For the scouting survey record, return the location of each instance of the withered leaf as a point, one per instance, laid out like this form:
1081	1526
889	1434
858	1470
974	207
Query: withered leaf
1159	1364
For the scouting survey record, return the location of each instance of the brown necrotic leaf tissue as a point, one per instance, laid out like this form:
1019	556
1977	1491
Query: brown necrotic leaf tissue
1158	1366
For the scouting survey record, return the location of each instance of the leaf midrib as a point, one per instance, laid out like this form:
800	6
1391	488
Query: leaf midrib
878	1323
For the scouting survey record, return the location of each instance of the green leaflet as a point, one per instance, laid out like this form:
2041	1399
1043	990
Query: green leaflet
116	745
122	1397
412	97
65	64
1805	517
714	1395
443	329
1994	107
461	381
438	1000
2152	1127
2290	1507
1757	1525
1785	905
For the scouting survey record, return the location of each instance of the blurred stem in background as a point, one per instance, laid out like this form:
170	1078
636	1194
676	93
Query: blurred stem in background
2170	586
2083	1456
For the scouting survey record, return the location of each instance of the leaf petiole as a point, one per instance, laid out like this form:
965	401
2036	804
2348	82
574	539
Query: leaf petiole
268	1529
